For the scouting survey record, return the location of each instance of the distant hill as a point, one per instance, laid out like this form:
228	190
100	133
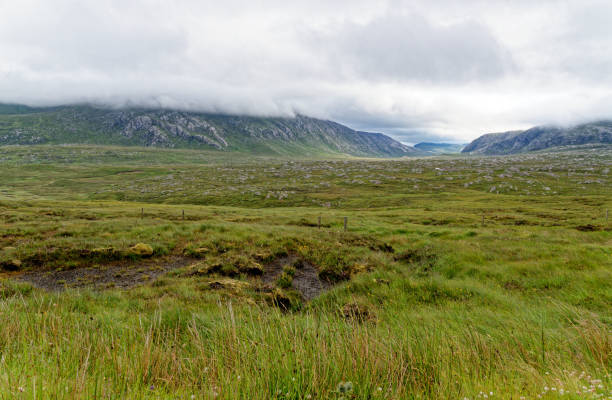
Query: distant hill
439	148
17	109
83	124
542	138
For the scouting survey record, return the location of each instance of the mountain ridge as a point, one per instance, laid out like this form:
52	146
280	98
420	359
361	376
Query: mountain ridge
151	127
541	138
439	148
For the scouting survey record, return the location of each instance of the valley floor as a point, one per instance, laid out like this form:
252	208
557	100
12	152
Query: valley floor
138	273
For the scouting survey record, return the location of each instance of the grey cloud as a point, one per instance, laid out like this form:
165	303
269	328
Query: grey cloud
448	69
98	37
584	45
409	47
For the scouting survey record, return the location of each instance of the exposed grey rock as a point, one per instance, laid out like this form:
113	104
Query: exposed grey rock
299	135
542	138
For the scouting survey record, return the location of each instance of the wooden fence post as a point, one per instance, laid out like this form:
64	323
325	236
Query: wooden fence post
142	213
345	223
183	215
319	222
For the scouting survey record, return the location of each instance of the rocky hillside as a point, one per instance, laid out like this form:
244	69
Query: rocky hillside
179	129
542	138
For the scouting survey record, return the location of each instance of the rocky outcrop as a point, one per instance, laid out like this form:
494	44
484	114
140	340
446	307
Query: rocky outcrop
542	138
299	135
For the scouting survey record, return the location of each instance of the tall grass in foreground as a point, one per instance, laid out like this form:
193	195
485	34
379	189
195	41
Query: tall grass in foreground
87	345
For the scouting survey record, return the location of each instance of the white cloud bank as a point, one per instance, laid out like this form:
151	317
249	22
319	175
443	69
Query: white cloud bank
415	70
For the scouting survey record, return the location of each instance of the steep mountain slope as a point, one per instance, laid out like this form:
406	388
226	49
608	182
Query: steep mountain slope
299	135
439	148
542	138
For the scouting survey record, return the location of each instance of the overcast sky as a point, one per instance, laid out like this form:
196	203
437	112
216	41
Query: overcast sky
416	70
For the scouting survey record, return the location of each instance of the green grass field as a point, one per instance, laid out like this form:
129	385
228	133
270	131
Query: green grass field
457	278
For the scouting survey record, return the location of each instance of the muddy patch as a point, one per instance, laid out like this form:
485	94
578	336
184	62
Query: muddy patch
118	275
305	280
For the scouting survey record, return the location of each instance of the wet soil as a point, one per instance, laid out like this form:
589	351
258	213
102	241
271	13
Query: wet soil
306	279
116	275
126	274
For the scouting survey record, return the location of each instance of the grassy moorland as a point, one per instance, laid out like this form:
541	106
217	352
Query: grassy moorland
457	277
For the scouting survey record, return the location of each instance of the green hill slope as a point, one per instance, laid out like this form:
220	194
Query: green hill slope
299	135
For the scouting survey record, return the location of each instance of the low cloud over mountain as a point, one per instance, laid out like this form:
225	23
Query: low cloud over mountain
445	70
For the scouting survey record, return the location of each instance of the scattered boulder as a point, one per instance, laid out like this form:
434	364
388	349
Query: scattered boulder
142	250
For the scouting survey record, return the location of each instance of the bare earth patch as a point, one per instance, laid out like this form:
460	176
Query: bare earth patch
127	274
306	279
116	275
